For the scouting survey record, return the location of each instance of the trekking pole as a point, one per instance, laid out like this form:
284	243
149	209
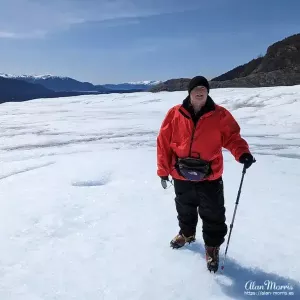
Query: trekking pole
231	225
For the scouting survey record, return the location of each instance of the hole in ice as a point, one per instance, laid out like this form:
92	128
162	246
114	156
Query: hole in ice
85	183
100	181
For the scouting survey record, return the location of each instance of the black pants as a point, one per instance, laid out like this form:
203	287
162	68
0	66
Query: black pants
206	199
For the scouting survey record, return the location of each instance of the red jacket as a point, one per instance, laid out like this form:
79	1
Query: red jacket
183	134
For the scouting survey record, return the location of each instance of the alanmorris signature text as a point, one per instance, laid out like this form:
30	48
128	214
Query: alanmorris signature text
267	288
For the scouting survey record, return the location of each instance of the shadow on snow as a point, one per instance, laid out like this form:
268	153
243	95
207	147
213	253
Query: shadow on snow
240	275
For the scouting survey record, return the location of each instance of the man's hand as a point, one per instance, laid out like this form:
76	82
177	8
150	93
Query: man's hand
247	160
164	180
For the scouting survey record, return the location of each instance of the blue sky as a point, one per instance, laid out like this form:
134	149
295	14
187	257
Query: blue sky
114	41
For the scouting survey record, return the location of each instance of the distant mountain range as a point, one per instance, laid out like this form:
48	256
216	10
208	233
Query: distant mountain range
280	66
19	90
58	83
141	85
26	87
67	84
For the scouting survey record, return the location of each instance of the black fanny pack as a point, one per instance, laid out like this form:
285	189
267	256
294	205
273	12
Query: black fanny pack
193	169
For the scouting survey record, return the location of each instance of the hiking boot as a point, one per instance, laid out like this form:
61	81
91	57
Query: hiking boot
212	258
180	240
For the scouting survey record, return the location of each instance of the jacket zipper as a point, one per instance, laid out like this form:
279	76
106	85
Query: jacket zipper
192	138
193	133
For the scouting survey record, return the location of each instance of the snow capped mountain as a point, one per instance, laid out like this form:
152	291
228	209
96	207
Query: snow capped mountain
48	76
6	75
25	87
147	82
62	83
57	83
33	77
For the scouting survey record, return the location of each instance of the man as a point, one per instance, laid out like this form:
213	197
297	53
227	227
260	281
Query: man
189	149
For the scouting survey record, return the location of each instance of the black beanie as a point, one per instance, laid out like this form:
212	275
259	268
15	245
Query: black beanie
197	81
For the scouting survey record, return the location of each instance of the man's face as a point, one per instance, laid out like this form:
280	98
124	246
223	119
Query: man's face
198	96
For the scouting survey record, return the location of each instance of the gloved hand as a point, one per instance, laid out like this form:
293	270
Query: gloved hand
247	160
163	181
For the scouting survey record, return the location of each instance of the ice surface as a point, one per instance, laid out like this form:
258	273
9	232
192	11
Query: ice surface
83	215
